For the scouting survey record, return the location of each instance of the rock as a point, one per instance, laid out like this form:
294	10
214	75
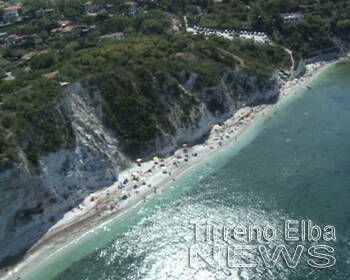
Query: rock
32	198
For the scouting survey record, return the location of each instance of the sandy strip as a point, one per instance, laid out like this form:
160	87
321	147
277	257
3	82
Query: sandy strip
148	178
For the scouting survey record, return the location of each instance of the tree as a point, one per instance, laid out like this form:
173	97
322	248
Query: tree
43	61
344	27
115	24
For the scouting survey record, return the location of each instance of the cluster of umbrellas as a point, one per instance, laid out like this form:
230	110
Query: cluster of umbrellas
93	198
124	194
155	158
139	160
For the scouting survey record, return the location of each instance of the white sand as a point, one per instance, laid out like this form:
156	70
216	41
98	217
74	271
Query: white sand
93	213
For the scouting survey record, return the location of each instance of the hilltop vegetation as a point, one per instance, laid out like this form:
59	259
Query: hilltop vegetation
322	19
129	74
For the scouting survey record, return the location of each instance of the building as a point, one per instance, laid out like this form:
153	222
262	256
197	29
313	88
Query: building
133	9
291	17
115	36
65	26
11	13
49	75
3	37
13	40
2	4
91	7
29	55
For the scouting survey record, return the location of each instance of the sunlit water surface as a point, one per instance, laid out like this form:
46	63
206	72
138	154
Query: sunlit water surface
294	164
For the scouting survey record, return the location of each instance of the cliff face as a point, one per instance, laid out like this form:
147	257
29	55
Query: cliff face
212	105
33	198
323	55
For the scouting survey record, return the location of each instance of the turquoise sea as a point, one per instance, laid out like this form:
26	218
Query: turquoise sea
293	164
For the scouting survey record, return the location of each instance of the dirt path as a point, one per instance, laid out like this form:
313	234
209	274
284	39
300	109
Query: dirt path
292	60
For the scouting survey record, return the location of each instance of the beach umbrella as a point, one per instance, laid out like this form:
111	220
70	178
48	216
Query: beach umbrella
115	178
155	158
139	160
216	127
123	193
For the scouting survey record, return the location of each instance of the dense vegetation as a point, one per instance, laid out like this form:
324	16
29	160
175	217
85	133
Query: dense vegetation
321	19
129	73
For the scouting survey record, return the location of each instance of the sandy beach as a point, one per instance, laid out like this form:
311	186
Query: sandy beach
145	179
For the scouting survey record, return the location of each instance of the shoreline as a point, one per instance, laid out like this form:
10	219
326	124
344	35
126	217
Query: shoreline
151	177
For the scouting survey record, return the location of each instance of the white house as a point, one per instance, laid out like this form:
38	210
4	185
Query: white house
291	17
91	7
11	13
115	36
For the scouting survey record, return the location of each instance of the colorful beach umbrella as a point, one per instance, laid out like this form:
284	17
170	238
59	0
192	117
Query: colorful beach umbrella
115	178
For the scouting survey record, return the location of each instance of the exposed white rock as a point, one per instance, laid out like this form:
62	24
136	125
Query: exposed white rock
33	199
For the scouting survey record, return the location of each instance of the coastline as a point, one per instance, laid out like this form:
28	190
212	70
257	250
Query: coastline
95	213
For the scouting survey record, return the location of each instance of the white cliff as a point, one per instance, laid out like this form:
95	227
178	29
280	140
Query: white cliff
33	198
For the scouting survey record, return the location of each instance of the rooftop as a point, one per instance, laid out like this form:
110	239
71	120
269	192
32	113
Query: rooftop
12	7
291	15
50	75
116	35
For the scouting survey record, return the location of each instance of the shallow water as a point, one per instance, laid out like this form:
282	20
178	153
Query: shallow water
294	164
